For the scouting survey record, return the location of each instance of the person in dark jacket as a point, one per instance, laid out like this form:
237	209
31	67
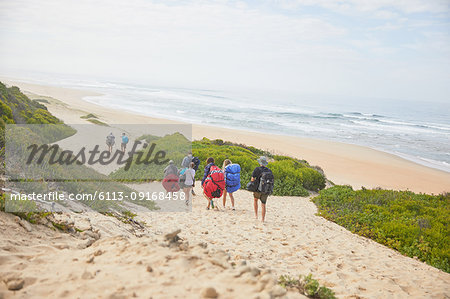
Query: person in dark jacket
209	163
256	176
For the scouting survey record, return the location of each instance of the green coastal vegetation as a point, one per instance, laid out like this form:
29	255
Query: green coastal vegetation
293	177
417	225
306	285
94	119
90	115
175	147
17	108
97	122
44	128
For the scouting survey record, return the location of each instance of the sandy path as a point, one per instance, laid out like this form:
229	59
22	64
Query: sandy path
295	241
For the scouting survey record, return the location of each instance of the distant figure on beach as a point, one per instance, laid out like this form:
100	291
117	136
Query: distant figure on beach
213	182
189	181
125	140
264	180
232	180
110	141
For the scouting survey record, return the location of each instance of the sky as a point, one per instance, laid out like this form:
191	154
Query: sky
358	48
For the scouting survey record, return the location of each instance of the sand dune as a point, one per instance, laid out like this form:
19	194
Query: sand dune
294	241
224	253
52	265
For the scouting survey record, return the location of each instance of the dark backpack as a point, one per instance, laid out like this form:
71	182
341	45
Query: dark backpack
196	162
266	182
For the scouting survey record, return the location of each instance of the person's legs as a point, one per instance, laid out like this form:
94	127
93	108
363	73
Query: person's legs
255	205
225	198
263	211
256	197
187	192
232	200
209	201
263	206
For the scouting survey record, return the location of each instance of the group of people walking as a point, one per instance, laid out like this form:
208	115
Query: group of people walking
111	141
183	178
216	182
220	182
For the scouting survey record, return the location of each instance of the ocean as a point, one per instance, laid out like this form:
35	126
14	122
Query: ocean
417	131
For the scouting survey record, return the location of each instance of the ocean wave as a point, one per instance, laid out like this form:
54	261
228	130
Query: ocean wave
430	139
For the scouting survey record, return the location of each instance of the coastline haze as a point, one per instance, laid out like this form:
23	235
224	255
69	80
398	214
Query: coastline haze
357	49
369	73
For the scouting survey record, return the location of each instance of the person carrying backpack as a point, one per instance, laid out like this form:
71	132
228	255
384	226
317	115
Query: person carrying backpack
125	140
232	180
213	182
171	179
110	141
189	181
170	169
196	162
186	160
264	180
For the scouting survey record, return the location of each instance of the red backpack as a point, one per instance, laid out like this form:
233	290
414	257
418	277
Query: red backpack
171	183
214	183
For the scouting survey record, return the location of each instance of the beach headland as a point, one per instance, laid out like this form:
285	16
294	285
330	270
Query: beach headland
342	163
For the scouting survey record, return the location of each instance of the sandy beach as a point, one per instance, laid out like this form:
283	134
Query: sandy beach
132	132
216	254
343	163
226	250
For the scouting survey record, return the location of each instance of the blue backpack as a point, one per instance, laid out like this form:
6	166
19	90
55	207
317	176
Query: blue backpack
233	177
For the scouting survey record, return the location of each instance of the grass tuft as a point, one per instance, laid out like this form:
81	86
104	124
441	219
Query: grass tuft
306	285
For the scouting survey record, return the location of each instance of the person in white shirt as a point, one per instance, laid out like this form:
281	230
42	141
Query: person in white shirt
189	183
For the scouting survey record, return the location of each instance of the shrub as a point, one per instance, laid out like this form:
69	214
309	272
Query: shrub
98	122
306	285
90	115
417	225
292	177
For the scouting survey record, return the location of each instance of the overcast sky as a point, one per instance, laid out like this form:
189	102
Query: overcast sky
378	48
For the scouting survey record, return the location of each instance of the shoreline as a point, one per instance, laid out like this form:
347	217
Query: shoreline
433	164
343	163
